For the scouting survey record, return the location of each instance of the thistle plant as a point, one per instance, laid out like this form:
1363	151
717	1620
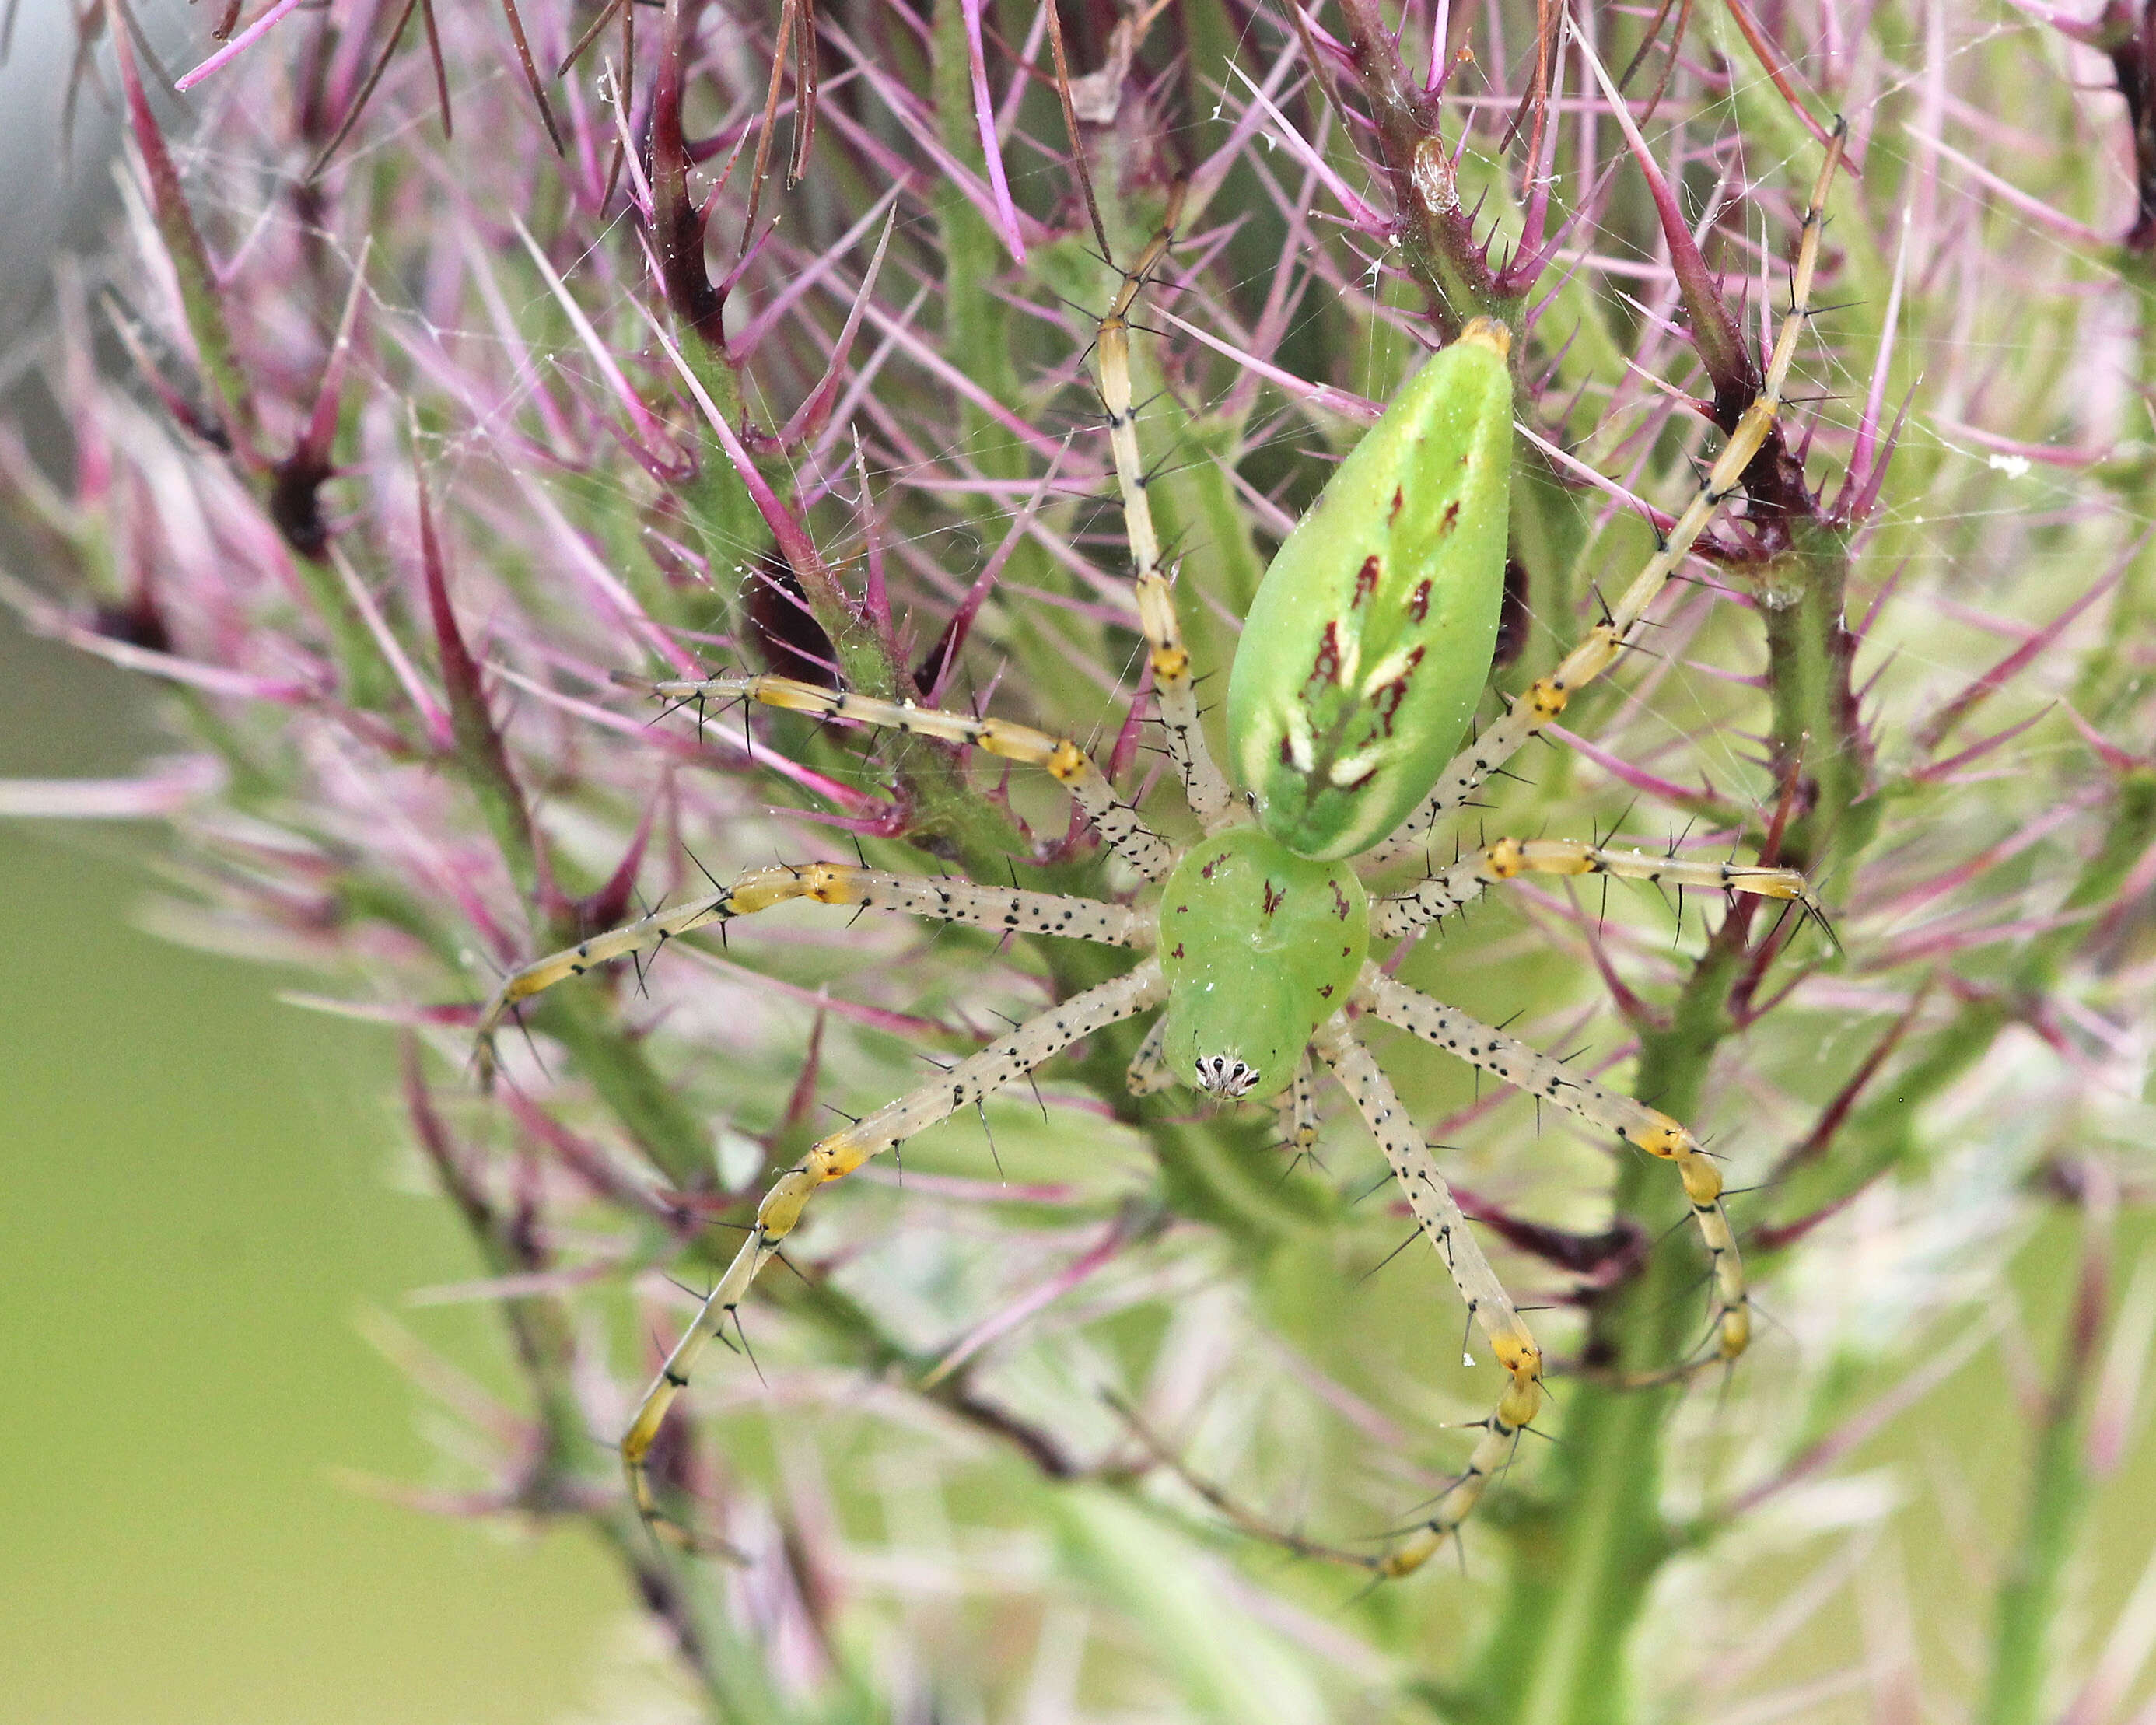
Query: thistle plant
461	378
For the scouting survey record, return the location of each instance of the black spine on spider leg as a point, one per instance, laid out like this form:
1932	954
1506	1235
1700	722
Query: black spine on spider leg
531	1047
1375	1186
716	885
740	1329
1413	1236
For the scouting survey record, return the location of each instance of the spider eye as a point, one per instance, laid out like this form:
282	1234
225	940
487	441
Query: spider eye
1218	1076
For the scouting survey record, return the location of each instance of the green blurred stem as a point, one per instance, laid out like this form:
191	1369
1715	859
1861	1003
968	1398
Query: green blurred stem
612	1061
2109	679
2028	1601
975	319
2059	1487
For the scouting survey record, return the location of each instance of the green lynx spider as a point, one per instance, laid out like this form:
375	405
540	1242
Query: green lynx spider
1199	943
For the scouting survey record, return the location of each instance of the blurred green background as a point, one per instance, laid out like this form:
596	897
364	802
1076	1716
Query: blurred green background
200	1200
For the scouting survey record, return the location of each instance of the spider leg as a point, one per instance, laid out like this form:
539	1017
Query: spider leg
1528	1068
942	899
1002	1062
1148	1074
1297	1108
1204	787
1117	822
1447	890
1245	1517
1544	701
1488	1304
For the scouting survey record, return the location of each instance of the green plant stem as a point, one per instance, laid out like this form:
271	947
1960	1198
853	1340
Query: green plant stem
2059	1490
1586	1555
2110	677
1816	732
2028	1601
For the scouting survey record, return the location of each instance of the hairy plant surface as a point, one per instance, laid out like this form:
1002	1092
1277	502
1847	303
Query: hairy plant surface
454	365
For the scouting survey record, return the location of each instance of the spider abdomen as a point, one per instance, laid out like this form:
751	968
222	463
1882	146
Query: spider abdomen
1260	946
1372	633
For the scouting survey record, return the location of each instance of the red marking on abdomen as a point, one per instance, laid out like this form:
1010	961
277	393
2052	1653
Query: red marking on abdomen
1326	668
1386	702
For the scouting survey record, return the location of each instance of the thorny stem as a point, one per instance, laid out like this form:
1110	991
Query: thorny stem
1818	736
1586	1553
1589	1550
1437	229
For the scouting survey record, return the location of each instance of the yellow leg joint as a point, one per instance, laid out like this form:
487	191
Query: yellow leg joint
1518	1355
782	1204
1523	1400
1702	1179
767	887
1548	700
1068	761
829	884
1662	1137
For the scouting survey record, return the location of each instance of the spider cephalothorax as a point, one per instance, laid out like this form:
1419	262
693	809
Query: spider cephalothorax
1258	947
1362	657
